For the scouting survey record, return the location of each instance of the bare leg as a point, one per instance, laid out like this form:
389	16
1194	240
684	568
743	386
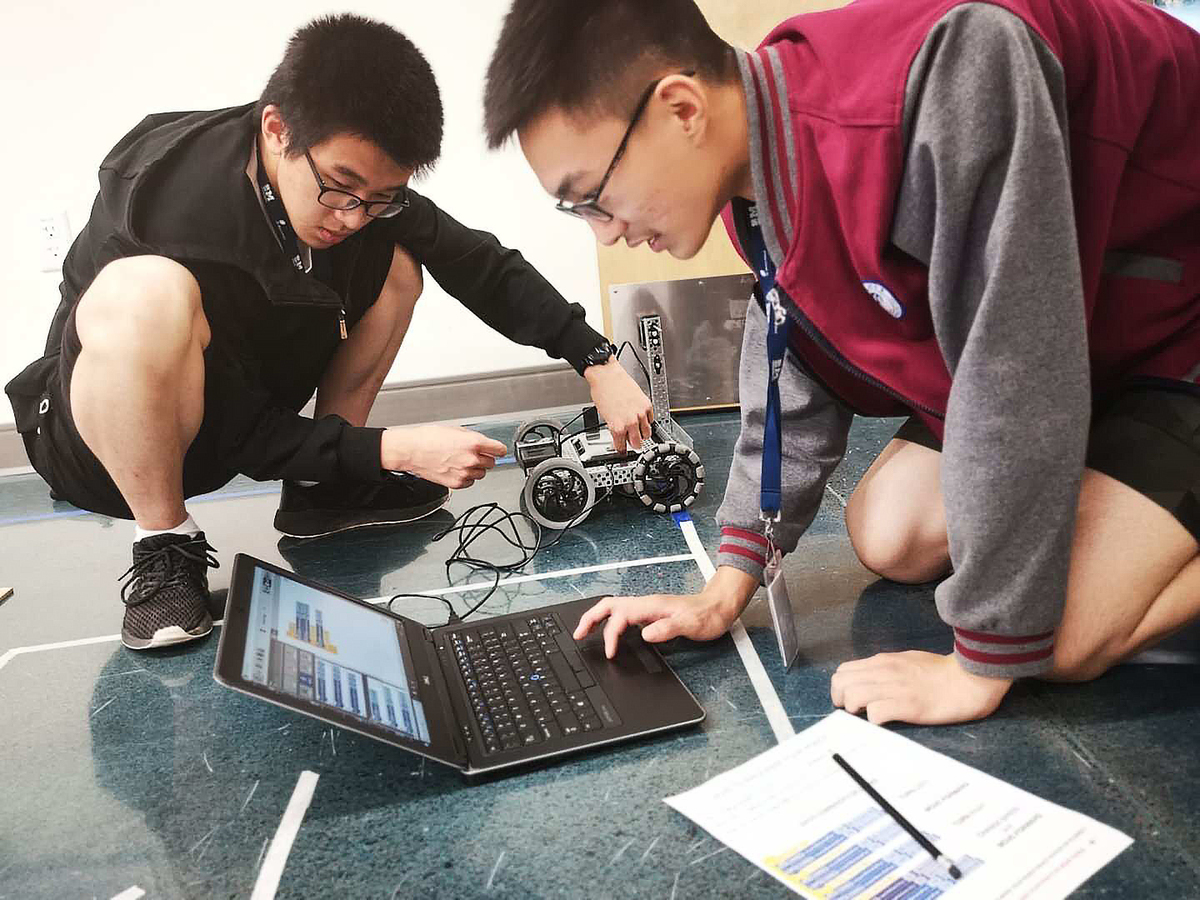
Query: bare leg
137	391
1134	576
356	372
1134	580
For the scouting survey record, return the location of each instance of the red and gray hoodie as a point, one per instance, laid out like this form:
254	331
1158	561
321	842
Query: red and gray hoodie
984	215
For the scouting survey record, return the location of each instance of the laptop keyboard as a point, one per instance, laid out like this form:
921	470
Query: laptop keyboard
527	684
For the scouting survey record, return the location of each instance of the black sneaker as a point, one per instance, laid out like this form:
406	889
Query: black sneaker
166	596
329	507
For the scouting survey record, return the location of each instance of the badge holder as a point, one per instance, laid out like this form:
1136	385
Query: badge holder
780	603
778	326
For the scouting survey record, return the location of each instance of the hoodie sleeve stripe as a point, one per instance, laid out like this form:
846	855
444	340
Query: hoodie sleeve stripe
742	551
743	534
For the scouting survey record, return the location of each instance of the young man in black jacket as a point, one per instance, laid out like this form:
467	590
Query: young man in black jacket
237	260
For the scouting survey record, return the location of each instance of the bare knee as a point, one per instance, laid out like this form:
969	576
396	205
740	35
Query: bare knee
148	305
1086	646
896	518
1075	662
900	542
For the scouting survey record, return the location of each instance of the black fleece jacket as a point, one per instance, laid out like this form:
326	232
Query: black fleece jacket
176	186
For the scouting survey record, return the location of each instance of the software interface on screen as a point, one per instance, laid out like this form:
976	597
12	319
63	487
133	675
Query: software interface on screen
318	647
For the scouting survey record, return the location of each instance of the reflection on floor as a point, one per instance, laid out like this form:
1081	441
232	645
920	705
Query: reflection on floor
123	769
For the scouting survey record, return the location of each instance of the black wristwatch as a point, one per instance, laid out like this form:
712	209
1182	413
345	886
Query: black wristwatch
599	355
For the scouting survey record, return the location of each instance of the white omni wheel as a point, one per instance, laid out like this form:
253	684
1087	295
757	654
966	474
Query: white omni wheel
558	493
668	477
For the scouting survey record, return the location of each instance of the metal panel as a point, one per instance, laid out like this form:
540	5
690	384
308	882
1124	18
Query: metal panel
702	320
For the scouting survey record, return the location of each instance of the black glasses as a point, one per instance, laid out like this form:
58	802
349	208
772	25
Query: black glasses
336	198
589	207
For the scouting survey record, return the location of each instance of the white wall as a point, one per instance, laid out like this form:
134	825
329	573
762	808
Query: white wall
77	75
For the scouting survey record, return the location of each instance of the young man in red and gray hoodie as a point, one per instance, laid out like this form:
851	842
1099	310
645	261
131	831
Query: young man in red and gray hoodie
984	216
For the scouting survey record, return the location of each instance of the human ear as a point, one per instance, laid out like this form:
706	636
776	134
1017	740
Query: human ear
274	130
687	101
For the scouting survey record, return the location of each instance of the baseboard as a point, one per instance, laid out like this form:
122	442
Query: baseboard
12	451
475	396
464	399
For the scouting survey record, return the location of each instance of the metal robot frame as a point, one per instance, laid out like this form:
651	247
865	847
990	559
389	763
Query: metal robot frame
564	473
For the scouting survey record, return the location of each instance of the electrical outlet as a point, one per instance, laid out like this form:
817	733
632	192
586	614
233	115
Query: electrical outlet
54	236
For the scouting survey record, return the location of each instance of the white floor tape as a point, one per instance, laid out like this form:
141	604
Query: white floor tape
9	655
276	858
82	642
540	576
771	704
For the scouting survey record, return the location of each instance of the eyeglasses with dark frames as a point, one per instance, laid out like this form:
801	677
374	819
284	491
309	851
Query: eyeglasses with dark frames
336	198
589	207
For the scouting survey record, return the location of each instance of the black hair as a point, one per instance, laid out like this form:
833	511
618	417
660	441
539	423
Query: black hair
593	57
346	74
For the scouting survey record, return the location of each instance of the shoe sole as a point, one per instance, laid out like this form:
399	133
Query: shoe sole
166	637
349	524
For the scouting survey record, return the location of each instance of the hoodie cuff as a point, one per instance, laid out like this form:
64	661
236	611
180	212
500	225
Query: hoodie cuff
1004	655
742	549
577	341
359	452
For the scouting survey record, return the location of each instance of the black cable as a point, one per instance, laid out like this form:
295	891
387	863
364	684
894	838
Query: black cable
475	522
453	616
559	437
572	420
472	525
470	531
537	548
633	349
579	518
486	597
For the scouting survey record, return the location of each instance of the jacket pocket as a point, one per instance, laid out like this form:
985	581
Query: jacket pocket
1121	264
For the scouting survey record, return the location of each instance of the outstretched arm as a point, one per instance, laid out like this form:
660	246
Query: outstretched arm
986	203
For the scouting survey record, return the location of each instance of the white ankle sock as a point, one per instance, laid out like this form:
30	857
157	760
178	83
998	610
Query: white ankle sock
187	526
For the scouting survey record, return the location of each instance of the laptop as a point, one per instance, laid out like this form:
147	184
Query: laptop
478	696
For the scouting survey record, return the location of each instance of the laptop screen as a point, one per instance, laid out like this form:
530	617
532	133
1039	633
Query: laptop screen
302	642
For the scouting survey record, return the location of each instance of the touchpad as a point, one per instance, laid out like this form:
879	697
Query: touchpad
649	658
632	655
591	648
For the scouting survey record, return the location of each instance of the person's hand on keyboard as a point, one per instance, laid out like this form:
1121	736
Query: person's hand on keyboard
701	617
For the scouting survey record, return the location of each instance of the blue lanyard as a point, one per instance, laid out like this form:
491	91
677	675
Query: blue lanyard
778	325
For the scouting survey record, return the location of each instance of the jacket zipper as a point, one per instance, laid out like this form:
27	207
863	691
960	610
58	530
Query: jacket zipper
832	352
342	323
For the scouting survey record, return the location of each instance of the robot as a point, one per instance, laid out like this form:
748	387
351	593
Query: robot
564	472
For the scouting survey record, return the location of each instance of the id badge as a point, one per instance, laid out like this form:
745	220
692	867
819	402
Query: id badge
780	605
